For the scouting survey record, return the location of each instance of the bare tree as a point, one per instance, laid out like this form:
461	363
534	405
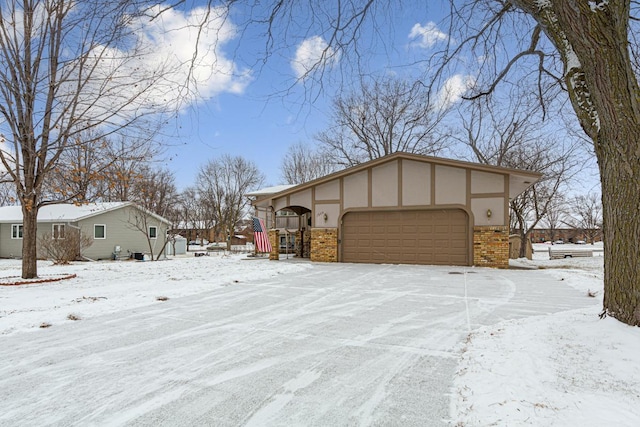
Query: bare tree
192	214
587	215
79	173
222	184
303	164
130	163
558	38
7	193
386	116
198	215
105	170
64	70
530	207
495	127
155	190
150	225
556	215
511	136
66	246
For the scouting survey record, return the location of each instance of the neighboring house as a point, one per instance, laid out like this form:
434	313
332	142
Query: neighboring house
402	209
120	228
195	231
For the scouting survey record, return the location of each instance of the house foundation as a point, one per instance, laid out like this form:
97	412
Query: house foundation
491	246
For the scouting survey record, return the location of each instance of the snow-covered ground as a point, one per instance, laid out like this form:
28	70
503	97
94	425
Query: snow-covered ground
109	287
546	365
564	369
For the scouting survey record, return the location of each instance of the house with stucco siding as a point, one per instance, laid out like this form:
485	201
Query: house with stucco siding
402	209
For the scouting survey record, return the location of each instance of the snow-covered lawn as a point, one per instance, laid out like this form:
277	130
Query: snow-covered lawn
223	340
564	369
109	287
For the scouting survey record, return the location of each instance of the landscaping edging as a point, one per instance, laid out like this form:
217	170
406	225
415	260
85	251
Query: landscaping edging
6	281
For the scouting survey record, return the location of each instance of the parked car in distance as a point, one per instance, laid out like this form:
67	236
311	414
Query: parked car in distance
199	242
559	242
580	242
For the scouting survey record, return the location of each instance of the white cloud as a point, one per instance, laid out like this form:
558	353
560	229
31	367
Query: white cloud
453	89
178	61
311	54
428	35
189	49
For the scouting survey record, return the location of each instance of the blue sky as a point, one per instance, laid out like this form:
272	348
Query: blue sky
253	118
244	125
256	109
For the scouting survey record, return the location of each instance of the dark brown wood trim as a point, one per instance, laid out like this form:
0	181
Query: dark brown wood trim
370	187
433	184
507	220
487	195
313	206
468	189
400	183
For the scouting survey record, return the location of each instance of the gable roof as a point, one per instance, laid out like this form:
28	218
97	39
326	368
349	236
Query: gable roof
519	180
69	212
270	190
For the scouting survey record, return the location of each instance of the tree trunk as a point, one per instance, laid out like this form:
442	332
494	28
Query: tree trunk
621	230
29	242
230	230
161	251
523	243
606	96
592	39
150	245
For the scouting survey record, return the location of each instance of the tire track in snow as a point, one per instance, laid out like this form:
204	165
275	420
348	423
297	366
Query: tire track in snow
267	412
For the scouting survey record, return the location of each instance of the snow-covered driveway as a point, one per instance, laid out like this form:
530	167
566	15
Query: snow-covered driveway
334	344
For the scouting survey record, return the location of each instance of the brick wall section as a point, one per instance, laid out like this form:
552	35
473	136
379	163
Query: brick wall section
491	246
274	239
324	244
306	248
298	244
303	239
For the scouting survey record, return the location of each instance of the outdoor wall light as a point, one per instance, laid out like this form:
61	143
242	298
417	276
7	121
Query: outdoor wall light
325	217
489	213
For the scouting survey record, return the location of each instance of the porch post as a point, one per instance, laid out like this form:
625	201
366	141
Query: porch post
274	239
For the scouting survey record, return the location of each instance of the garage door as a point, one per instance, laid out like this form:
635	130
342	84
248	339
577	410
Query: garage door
437	237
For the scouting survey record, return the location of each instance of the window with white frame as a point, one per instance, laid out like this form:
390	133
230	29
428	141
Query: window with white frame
99	231
16	231
153	232
58	231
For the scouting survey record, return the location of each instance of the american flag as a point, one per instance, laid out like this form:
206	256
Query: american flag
260	236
